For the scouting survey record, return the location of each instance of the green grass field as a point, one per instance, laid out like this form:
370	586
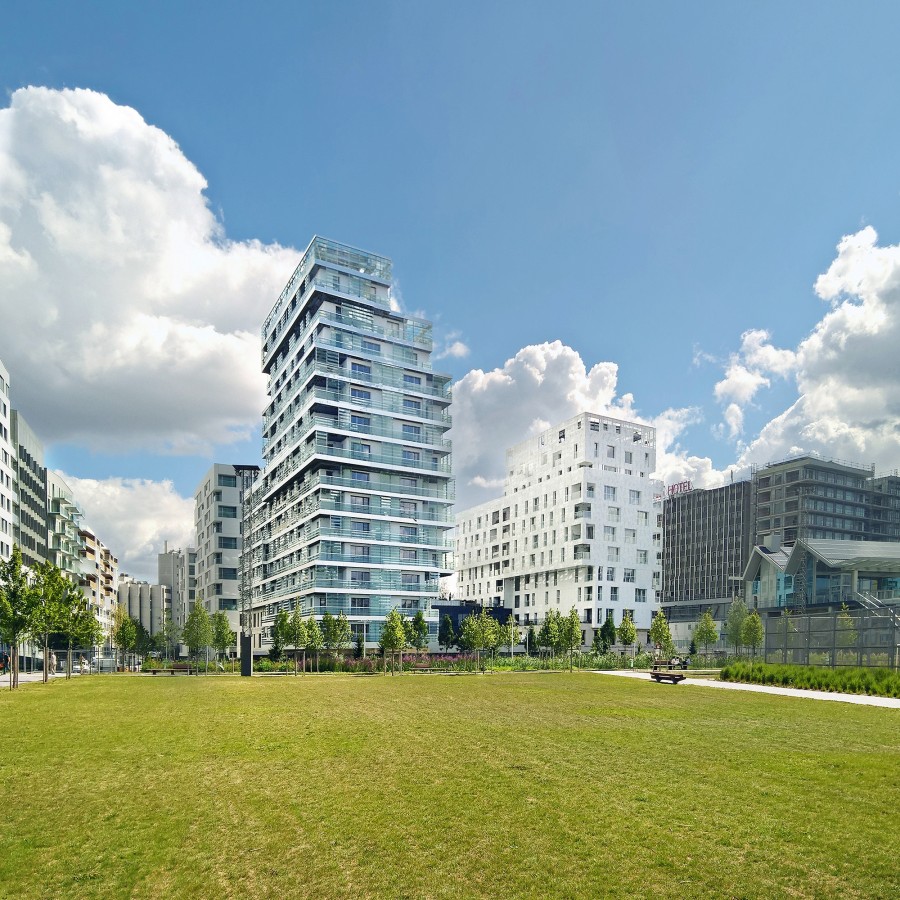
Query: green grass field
433	786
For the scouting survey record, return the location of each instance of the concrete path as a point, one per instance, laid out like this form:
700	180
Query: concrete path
861	699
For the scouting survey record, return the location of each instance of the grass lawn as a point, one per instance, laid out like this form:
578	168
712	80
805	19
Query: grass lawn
501	786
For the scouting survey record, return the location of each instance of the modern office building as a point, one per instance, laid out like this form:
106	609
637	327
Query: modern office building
177	571
99	578
351	510
64	542
31	492
579	525
707	539
7	469
218	516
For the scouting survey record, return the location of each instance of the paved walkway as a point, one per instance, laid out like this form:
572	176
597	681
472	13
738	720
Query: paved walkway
861	699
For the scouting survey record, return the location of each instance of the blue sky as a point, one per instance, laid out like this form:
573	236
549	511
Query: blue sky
642	182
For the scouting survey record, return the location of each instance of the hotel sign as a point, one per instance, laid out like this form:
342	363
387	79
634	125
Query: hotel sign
681	488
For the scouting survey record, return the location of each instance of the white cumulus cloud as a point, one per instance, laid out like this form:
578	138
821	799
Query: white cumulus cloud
134	517
130	320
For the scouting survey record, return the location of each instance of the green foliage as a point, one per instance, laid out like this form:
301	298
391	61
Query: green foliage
752	631
123	632
876	682
17	600
549	634
222	636
706	631
315	640
342	633
417	631
607	633
510	635
198	633
570	633
169	636
393	636
734	624
143	643
660	635
627	631
446	634
847	635
279	635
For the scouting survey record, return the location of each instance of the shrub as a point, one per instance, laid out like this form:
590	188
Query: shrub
875	682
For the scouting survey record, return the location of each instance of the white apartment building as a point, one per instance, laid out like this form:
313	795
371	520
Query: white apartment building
578	525
351	511
7	468
218	515
99	578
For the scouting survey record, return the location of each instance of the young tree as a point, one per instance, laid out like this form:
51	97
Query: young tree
627	631
393	638
510	634
122	633
71	606
480	632
342	632
143	643
752	632
530	640
359	647
86	630
570	634
329	634
418	632
279	635
314	639
197	630
847	636
297	635
222	635
169	636
660	635
17	599
446	634
47	613
707	631
549	633
734	624
608	633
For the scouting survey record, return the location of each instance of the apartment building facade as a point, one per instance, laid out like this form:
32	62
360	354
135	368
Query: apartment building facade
7	469
218	517
350	513
64	541
579	525
99	578
177	572
30	492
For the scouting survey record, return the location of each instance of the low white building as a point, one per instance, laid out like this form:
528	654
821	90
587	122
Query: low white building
578	525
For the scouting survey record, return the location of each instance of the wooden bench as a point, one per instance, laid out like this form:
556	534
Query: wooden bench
179	671
673	672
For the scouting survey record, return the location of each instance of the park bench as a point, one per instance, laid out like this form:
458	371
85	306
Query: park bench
179	670
673	672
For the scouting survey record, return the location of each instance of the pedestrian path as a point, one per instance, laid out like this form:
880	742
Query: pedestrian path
861	699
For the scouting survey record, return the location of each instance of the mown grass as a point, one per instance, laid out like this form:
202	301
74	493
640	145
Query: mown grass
526	785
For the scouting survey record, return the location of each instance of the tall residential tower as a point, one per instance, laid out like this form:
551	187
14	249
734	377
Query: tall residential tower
351	512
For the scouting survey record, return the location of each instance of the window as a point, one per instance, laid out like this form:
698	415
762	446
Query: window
628	576
359	476
360	369
411	456
643	518
609	492
409	555
412	379
613	595
407	507
359	551
227	574
628	456
359	500
408	532
634	496
562	435
227	512
227	543
360	527
610	574
610	451
640	595
371	346
357	421
630	536
609	533
360	394
412	432
413	406
642	556
612	554
227	480
362	449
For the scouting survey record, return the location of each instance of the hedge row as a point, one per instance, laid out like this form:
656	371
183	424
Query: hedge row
876	682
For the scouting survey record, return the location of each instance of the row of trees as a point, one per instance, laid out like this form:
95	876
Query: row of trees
42	606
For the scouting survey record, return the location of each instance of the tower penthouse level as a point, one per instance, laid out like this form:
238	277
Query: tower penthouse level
351	511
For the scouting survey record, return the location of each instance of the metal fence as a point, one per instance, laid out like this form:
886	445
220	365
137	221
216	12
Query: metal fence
862	637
